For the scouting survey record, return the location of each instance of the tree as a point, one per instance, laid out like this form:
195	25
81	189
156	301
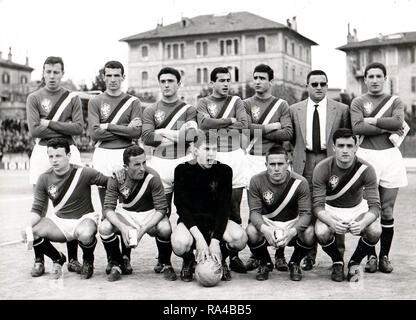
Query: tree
99	83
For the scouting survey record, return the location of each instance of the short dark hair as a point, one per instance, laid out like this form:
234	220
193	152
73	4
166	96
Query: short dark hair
57	143
54	60
114	65
375	65
216	71
343	133
277	149
316	73
132	151
207	137
169	70
264	68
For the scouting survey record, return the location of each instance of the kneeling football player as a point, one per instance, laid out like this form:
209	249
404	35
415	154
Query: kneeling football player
143	210
202	196
69	188
280	214
338	186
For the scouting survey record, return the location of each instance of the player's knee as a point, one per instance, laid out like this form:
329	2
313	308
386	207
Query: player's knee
164	229
238	239
308	236
180	243
106	228
252	234
387	211
373	231
322	232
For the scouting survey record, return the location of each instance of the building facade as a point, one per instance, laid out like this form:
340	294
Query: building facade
195	46
14	87
396	51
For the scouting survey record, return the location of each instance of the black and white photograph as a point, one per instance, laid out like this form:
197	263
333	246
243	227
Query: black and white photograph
202	157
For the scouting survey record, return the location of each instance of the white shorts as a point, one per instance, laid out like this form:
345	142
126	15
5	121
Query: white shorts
348	214
388	164
136	219
280	224
39	161
166	169
68	226
103	160
238	162
255	165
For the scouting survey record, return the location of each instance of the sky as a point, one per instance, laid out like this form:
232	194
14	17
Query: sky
86	33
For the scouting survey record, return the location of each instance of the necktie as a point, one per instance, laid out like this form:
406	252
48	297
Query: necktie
316	132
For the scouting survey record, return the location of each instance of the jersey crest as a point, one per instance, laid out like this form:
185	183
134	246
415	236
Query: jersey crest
368	108
105	111
52	191
268	197
333	182
159	117
212	109
255	113
46	105
125	192
213	186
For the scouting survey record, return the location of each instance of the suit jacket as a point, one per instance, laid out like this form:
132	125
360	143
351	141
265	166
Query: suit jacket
337	116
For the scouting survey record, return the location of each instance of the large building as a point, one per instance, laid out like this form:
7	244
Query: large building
396	51
14	87
239	41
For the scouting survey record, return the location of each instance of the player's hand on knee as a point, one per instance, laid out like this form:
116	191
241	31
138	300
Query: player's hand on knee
269	234
215	251
355	228
124	230
341	227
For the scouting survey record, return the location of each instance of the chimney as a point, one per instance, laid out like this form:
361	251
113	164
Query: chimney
355	34
289	24
185	22
27	60
10	54
380	36
294	24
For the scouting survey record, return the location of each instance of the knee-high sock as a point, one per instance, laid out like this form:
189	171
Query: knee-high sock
386	237
301	250
72	247
38	249
188	257
125	251
88	250
280	252
165	250
332	250
112	248
363	247
44	246
260	252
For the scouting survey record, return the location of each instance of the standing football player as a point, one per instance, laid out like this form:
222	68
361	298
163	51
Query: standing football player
54	112
375	116
114	119
168	126
270	125
226	114
143	210
280	214
203	190
338	186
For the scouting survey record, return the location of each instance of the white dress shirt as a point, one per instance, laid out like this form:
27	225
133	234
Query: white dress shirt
310	108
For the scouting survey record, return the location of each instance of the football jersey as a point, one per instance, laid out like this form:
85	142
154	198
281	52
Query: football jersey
42	103
344	188
367	105
259	110
212	114
70	193
159	116
102	109
281	202
137	195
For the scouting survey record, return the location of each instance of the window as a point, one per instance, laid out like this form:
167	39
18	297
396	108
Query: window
198	75
412	55
175	50
236	74
286	72
145	51
286	45
145	76
202	75
300	52
308	59
23	79
201	48
228	47
261	44
5	78
293	49
293	74
413	84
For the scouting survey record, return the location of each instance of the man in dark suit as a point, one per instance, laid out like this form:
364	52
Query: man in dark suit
314	121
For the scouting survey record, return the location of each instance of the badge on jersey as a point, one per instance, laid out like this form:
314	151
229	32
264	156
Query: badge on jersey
368	108
125	192
212	109
255	113
213	186
268	197
159	117
105	111
53	191
333	182
46	105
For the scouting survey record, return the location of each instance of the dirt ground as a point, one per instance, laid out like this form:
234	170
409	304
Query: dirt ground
144	284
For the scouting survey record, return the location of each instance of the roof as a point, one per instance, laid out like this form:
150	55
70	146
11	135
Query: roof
213	24
13	65
401	38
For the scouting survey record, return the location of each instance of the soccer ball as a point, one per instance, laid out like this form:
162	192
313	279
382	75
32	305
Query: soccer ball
208	273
